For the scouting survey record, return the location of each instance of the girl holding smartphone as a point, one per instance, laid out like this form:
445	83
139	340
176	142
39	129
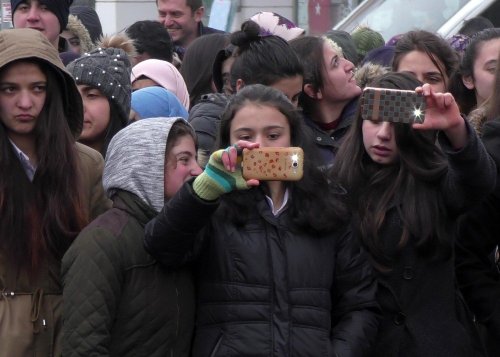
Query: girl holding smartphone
278	270
405	193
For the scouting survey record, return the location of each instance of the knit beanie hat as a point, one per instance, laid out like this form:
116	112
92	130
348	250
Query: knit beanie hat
366	40
271	23
89	18
24	43
107	68
60	8
345	41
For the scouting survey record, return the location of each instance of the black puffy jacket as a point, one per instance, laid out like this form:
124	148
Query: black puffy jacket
264	290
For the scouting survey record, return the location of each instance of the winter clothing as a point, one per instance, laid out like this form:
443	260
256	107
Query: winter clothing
76	27
477	118
271	23
423	312
36	45
153	102
478	276
60	8
118	300
202	31
220	57
107	69
264	288
366	40
344	40
328	144
89	18
205	118
165	74
30	304
68	56
381	55
91	166
215	181
31	311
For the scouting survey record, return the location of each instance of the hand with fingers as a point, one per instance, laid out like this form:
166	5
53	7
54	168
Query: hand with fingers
223	173
442	113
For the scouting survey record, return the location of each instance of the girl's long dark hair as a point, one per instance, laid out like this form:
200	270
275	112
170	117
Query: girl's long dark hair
411	185
44	216
314	204
261	59
117	122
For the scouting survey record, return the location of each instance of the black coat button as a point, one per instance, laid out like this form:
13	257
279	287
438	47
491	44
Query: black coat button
408	273
399	318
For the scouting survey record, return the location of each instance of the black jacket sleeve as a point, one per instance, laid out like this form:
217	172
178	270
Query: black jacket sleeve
355	311
478	278
172	235
471	175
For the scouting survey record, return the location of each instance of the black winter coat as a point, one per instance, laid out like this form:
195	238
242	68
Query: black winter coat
479	234
424	314
264	290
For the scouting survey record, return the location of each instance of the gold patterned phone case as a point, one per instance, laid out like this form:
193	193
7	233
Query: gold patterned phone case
394	105
273	163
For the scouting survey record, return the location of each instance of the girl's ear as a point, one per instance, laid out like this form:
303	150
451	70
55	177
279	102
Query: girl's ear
468	82
239	84
310	91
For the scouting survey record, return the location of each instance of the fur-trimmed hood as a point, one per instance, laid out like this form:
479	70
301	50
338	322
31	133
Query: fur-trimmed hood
79	30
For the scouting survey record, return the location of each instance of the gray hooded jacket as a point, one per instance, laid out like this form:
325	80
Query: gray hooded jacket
118	300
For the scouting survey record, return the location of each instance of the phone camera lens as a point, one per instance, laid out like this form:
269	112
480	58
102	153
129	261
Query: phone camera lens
295	164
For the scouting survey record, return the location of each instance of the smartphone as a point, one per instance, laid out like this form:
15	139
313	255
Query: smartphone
394	105
273	163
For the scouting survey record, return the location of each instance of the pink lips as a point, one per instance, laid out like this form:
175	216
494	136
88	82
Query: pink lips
381	150
24	117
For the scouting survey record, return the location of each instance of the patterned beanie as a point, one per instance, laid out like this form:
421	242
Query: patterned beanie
60	8
366	40
271	23
107	69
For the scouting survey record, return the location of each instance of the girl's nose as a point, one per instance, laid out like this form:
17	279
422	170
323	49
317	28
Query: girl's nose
385	131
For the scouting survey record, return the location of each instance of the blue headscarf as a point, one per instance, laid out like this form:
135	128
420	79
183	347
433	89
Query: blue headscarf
154	102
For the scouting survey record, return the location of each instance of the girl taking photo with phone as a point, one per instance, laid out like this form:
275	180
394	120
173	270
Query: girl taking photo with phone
405	193
278	272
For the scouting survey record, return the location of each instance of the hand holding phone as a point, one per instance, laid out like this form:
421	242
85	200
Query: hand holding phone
273	163
394	105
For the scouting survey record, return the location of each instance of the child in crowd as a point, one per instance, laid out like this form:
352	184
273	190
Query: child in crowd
473	82
329	95
267	60
103	78
50	188
118	301
278	270
405	193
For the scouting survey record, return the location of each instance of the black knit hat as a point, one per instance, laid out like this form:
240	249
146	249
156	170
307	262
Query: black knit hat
60	8
107	69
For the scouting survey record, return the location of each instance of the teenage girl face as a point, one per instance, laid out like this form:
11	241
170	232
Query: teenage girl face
180	165
260	123
379	141
96	113
22	97
339	85
420	65
483	70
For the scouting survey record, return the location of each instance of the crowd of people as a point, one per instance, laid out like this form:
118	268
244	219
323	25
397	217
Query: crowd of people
127	227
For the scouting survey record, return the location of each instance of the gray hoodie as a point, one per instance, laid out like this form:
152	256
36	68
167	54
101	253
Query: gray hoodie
135	160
